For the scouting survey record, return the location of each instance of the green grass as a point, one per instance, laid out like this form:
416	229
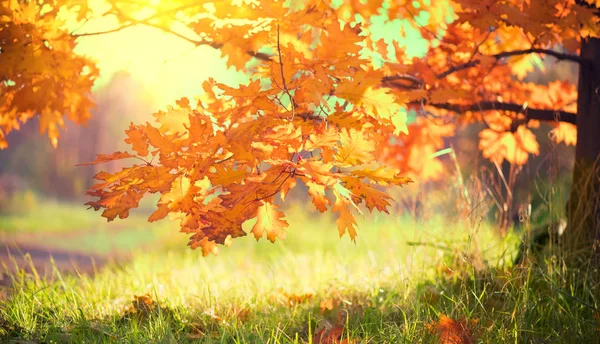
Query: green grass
28	212
383	290
71	226
49	216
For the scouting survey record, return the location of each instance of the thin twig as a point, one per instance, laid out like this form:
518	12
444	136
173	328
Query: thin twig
285	88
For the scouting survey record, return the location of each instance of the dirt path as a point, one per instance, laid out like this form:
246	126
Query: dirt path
27	257
29	251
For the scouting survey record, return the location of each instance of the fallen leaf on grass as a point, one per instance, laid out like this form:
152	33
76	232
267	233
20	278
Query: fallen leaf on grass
292	299
142	307
328	305
225	317
298	298
450	331
240	314
332	335
141	304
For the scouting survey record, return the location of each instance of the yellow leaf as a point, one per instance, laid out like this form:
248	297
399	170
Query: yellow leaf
514	147
383	176
565	132
346	221
179	190
317	192
269	221
175	119
378	103
354	148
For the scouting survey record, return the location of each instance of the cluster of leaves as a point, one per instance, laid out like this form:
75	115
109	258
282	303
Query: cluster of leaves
317	108
474	71
223	161
40	75
327	105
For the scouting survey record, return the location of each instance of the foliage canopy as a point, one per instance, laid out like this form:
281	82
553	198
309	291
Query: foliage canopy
326	106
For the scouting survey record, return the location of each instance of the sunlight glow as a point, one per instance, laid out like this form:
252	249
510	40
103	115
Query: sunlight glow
169	67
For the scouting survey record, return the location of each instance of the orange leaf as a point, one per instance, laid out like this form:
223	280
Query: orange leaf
450	331
334	335
354	148
345	221
565	132
317	192
269	221
293	299
137	139
514	147
104	158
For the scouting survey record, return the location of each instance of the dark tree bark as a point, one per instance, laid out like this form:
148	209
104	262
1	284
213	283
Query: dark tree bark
583	232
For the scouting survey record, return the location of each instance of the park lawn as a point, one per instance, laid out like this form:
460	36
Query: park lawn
49	216
72	226
33	213
395	285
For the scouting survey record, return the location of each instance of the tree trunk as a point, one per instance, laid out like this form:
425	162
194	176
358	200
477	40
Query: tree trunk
583	233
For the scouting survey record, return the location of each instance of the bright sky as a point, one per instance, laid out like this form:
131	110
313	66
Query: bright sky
170	67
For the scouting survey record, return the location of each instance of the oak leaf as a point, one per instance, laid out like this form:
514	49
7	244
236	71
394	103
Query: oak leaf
269	221
317	192
450	331
104	158
354	148
514	147
346	221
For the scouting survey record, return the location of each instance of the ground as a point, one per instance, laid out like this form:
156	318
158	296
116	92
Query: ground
436	280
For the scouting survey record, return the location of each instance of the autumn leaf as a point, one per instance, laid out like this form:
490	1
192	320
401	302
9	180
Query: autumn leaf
379	103
333	334
143	303
326	104
104	158
160	213
292	299
514	147
268	220
354	148
383	176
36	44
175	119
136	137
522	65
374	199
327	305
564	132
317	192
142	307
346	221
178	193
444	95
317	171
206	245
222	176
450	331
